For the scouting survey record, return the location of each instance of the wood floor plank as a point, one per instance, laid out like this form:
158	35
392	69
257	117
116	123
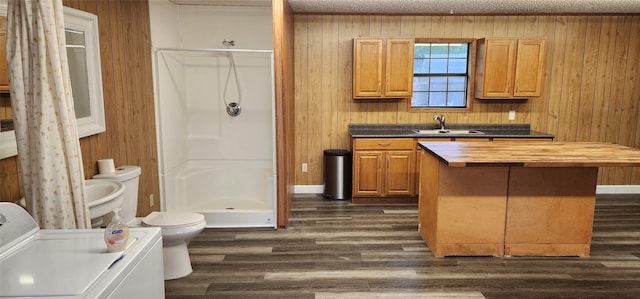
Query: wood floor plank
334	249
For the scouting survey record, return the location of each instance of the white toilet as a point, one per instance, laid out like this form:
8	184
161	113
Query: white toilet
177	228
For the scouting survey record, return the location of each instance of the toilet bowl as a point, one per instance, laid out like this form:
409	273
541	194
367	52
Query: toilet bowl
177	228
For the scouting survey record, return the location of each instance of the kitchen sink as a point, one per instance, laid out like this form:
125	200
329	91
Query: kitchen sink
447	131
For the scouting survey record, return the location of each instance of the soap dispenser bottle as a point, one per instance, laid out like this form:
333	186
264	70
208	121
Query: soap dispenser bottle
116	234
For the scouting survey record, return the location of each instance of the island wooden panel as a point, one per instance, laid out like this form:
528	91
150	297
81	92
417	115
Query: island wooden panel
550	211
462	210
543	195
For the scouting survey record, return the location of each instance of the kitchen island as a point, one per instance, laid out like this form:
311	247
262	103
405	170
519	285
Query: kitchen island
512	199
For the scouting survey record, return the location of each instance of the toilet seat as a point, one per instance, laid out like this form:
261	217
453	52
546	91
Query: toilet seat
172	219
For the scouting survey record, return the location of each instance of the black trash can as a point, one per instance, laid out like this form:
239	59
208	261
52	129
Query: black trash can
337	174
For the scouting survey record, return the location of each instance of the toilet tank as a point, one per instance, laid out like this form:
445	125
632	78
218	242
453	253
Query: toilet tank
130	177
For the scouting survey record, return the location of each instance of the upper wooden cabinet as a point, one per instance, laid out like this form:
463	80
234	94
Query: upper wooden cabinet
509	68
382	68
4	72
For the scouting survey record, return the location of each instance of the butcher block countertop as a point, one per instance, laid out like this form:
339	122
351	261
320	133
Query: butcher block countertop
533	154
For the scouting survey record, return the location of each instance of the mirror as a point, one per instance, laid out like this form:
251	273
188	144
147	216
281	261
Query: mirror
83	54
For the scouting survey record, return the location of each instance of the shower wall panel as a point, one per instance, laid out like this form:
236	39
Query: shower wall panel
213	134
172	114
196	132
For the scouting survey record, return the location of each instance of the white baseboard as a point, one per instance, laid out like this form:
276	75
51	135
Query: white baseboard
600	189
308	189
618	189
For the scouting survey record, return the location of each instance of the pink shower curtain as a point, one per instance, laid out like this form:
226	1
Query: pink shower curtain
45	123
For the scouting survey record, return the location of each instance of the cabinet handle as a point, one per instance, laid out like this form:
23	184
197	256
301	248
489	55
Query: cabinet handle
517	86
384	144
378	90
508	85
387	87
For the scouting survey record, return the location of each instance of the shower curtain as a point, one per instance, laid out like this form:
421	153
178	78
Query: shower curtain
45	123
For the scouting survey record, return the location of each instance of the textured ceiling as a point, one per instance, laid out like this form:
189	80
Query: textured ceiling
259	3
439	7
465	6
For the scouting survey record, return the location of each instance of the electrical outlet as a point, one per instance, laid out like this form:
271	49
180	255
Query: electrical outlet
512	115
151	201
304	167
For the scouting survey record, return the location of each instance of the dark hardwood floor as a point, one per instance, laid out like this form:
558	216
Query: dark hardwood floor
334	249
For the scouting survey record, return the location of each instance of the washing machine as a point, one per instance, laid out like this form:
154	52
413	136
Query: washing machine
75	263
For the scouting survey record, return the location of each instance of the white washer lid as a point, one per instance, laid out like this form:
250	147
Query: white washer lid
166	219
57	265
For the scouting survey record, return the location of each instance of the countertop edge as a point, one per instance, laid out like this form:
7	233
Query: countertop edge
588	156
407	131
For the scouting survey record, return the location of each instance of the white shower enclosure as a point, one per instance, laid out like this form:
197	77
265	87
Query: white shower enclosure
210	162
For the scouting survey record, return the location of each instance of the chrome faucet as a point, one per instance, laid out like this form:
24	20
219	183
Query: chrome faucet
439	118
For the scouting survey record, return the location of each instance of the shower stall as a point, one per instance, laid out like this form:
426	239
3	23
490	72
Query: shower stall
216	134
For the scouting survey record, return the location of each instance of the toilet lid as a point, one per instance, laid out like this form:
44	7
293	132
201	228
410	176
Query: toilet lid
164	219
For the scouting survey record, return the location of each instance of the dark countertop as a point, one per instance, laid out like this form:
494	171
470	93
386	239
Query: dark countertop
408	131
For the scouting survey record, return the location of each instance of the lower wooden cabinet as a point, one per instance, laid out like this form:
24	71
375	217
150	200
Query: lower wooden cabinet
384	167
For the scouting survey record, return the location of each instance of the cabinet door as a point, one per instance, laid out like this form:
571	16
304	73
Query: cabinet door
498	66
400	172
4	72
399	67
367	67
528	69
368	172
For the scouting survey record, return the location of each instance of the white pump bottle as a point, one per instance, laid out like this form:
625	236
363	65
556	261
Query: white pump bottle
116	234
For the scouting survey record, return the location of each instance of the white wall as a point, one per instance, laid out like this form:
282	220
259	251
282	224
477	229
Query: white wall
171	117
208	26
164	20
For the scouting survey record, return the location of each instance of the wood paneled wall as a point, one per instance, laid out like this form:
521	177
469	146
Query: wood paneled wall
130	137
285	109
591	84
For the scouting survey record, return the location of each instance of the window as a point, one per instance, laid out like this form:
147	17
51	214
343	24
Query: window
441	74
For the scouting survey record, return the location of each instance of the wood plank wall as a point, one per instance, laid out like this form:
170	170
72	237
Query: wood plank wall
284	86
591	84
130	137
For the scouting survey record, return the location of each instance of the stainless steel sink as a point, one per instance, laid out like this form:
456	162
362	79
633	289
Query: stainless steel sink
447	131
